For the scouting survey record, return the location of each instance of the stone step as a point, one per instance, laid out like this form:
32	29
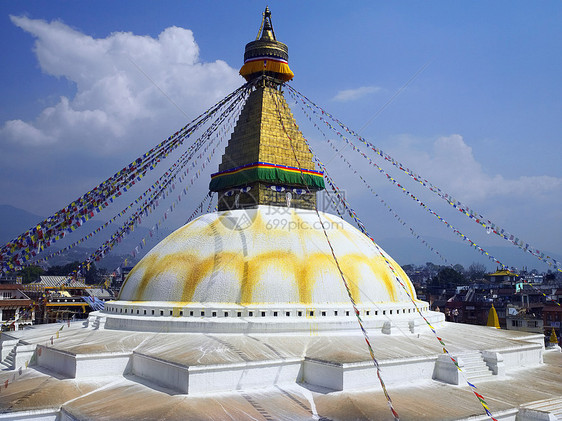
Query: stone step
547	409
471	357
8	363
478	373
474	366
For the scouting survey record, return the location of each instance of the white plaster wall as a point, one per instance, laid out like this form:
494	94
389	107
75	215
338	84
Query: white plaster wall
446	371
395	372
400	323
24	353
323	374
243	376
57	361
364	374
6	346
517	358
38	415
95	365
164	373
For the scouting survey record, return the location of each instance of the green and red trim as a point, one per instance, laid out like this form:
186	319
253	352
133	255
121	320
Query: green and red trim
270	173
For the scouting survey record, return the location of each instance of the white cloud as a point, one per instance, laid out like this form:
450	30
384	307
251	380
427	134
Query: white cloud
119	82
451	165
25	134
354	94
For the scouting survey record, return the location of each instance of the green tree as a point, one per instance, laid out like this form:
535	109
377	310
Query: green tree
30	274
459	268
63	270
409	268
431	268
92	275
448	276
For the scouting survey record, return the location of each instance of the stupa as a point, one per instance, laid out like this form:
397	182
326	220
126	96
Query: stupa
243	314
263	263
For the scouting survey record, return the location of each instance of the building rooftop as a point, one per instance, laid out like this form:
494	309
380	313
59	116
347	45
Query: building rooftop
57	282
103	391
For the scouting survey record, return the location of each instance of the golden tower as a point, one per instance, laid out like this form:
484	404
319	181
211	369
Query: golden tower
267	161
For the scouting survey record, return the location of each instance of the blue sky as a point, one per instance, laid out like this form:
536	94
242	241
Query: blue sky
482	120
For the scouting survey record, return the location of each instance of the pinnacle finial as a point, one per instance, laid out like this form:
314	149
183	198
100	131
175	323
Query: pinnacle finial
266	55
268	34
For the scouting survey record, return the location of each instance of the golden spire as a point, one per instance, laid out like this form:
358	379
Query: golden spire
266	56
267	161
268	33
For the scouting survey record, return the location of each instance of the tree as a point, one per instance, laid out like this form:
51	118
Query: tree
431	268
92	275
476	271
448	276
459	268
30	274
409	268
65	270
550	277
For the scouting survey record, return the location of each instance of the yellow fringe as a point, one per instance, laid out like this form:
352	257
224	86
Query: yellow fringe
257	66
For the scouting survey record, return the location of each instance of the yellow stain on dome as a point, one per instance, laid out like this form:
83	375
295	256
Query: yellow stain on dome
188	268
351	265
206	267
286	261
176	263
381	268
146	263
191	270
311	268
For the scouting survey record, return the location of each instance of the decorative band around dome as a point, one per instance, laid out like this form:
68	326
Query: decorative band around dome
271	173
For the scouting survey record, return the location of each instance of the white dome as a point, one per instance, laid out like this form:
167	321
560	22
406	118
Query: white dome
266	255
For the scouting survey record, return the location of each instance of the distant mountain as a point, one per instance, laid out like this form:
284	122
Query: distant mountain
407	250
14	221
118	254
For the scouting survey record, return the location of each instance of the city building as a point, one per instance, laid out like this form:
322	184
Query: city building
16	308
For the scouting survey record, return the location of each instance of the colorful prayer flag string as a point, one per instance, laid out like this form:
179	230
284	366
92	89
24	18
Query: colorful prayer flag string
410	293
400	220
354	216
416	199
20	250
348	290
488	225
135	219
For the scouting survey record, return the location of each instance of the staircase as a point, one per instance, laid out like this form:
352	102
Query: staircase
95	322
15	354
9	361
474	367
